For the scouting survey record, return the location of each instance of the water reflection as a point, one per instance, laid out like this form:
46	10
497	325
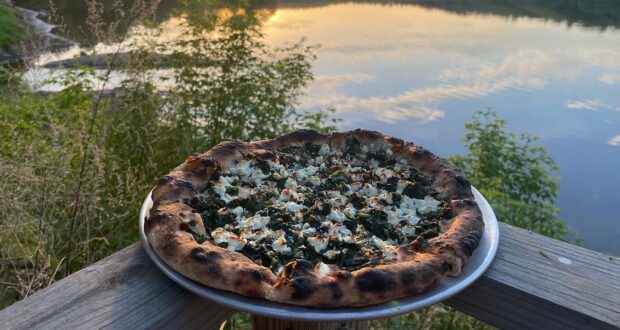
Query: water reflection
419	73
419	69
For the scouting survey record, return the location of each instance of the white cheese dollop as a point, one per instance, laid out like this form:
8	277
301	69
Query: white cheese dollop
243	168
408	230
325	150
236	243
369	190
331	254
303	173
335	215
290	184
315	180
319	244
279	245
255	222
389	251
323	269
292	206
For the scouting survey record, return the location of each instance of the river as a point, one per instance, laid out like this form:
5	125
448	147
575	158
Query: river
419	70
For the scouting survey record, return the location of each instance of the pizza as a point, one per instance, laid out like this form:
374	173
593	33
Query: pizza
345	219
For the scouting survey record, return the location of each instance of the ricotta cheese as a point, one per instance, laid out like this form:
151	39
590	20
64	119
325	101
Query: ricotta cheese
323	269
318	243
325	150
279	245
331	254
389	251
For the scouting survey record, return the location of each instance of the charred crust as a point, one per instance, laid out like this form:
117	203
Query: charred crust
464	203
299	136
210	260
368	134
460	179
395	141
418	244
470	242
226	149
301	267
342	275
252	292
421	153
165	180
185	227
264	154
171	188
169	243
255	275
407	277
375	281
209	162
199	254
335	290
156	218
184	184
303	287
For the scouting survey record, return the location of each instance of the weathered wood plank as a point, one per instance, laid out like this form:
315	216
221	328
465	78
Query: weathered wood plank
527	286
539	282
123	291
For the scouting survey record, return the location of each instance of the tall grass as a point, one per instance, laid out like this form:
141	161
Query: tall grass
76	164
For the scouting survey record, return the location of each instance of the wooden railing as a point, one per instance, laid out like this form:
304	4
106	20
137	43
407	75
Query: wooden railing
534	282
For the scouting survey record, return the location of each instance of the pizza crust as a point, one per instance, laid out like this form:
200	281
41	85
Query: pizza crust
171	226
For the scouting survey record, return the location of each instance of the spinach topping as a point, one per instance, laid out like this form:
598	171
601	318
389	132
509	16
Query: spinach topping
332	189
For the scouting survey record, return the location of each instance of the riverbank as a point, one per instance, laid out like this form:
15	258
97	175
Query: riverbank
11	30
23	35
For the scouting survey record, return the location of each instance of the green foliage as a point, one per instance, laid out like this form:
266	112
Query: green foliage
54	219
11	31
513	174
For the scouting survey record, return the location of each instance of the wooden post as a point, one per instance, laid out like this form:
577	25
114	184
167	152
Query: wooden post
268	323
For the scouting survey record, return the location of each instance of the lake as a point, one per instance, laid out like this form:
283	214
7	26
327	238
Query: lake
418	70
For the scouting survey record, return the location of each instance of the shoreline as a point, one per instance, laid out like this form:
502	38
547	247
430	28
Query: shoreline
38	38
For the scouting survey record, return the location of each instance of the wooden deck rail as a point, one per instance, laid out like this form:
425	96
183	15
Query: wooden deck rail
534	282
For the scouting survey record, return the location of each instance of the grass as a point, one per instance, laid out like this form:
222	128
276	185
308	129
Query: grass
11	31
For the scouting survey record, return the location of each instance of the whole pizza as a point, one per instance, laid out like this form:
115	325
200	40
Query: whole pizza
345	219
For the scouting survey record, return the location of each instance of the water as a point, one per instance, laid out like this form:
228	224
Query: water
549	68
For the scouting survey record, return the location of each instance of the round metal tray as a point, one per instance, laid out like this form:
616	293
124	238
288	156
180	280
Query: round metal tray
448	287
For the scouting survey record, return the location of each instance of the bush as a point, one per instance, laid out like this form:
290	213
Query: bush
513	174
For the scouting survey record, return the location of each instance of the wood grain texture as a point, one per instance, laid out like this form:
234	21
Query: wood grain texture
527	286
123	291
539	282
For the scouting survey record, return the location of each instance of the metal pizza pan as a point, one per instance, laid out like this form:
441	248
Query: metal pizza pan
478	263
